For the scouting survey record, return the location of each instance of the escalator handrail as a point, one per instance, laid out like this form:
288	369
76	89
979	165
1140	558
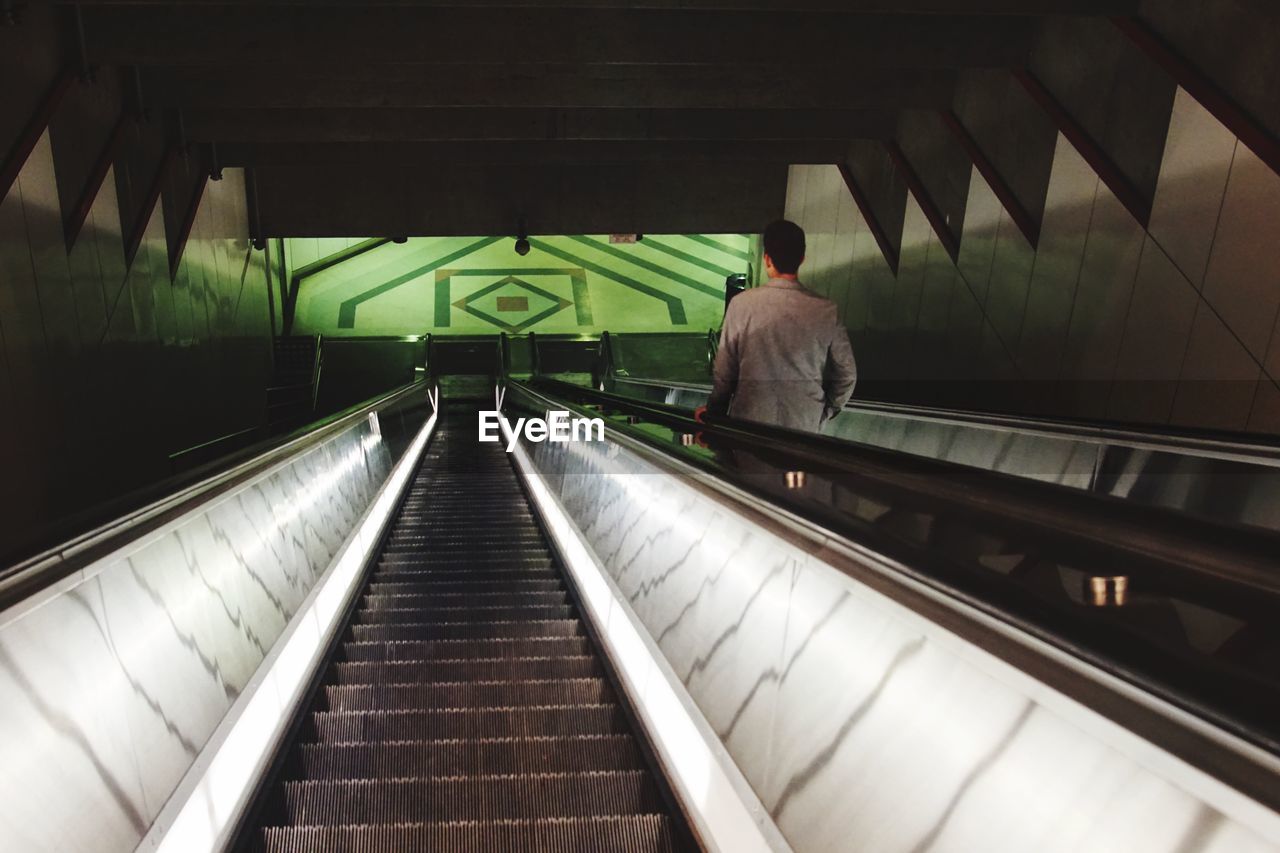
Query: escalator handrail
1096	521
29	576
1225	748
1234	447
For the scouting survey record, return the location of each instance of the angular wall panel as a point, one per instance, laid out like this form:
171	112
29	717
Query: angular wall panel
1219	378
1155	340
1193	181
1243	279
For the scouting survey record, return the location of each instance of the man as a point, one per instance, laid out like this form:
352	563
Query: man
784	356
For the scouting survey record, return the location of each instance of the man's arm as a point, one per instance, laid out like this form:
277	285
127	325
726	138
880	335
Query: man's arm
841	373
726	367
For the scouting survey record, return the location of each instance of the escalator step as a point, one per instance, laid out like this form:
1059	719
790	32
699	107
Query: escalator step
478	514
501	598
468	694
541	795
455	650
508	629
489	757
466	526
442	552
550	583
631	833
408	540
461	614
545	721
486	669
406	573
445	562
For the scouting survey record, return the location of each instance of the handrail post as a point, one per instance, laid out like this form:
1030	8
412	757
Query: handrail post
316	365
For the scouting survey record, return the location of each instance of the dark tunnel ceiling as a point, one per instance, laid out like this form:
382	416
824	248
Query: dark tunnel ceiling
436	117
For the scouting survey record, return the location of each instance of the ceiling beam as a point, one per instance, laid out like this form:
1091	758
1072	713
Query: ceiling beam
228	36
324	156
751	86
534	124
469	200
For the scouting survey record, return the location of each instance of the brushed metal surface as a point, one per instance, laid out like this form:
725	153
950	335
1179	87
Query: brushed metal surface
858	723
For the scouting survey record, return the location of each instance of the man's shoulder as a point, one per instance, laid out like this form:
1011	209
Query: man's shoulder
761	296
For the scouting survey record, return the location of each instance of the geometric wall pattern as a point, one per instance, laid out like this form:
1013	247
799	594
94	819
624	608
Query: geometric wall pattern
1176	323
479	285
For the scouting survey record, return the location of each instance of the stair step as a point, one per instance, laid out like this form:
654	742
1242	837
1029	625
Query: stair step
467	694
550	583
446	563
485	757
449	723
456	650
457	550
500	598
648	833
474	630
539	795
461	614
483	669
464	532
454	573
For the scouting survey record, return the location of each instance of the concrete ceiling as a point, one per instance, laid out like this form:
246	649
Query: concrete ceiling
435	117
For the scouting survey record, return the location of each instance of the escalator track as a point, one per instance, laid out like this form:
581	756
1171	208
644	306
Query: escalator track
465	707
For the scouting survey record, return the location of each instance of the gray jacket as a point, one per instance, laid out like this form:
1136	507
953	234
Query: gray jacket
784	358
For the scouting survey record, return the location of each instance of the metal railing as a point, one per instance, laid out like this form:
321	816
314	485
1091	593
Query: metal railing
169	499
1160	687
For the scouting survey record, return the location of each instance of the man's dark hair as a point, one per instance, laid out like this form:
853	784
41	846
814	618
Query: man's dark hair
784	244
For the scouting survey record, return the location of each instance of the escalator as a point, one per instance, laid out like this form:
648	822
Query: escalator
465	707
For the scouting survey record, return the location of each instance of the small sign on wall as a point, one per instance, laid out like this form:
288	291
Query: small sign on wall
625	238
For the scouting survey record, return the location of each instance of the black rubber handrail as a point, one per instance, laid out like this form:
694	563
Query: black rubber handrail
1166	438
134	515
1233	702
1241	555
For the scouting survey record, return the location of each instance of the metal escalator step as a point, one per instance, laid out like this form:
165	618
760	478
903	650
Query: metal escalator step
508	629
648	833
456	553
467	694
499	598
456	650
485	669
464	536
485	757
501	496
461	510
515	796
461	614
479	579
445	563
461	550
447	723
459	533
443	587
441	519
474	571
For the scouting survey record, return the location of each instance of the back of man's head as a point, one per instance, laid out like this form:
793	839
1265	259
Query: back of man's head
784	244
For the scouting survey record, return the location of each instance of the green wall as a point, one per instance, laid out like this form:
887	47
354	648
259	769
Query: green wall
479	285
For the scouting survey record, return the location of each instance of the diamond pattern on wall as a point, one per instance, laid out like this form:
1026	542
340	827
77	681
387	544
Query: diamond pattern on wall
505	296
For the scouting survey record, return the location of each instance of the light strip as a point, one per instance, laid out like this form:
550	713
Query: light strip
726	812
206	806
